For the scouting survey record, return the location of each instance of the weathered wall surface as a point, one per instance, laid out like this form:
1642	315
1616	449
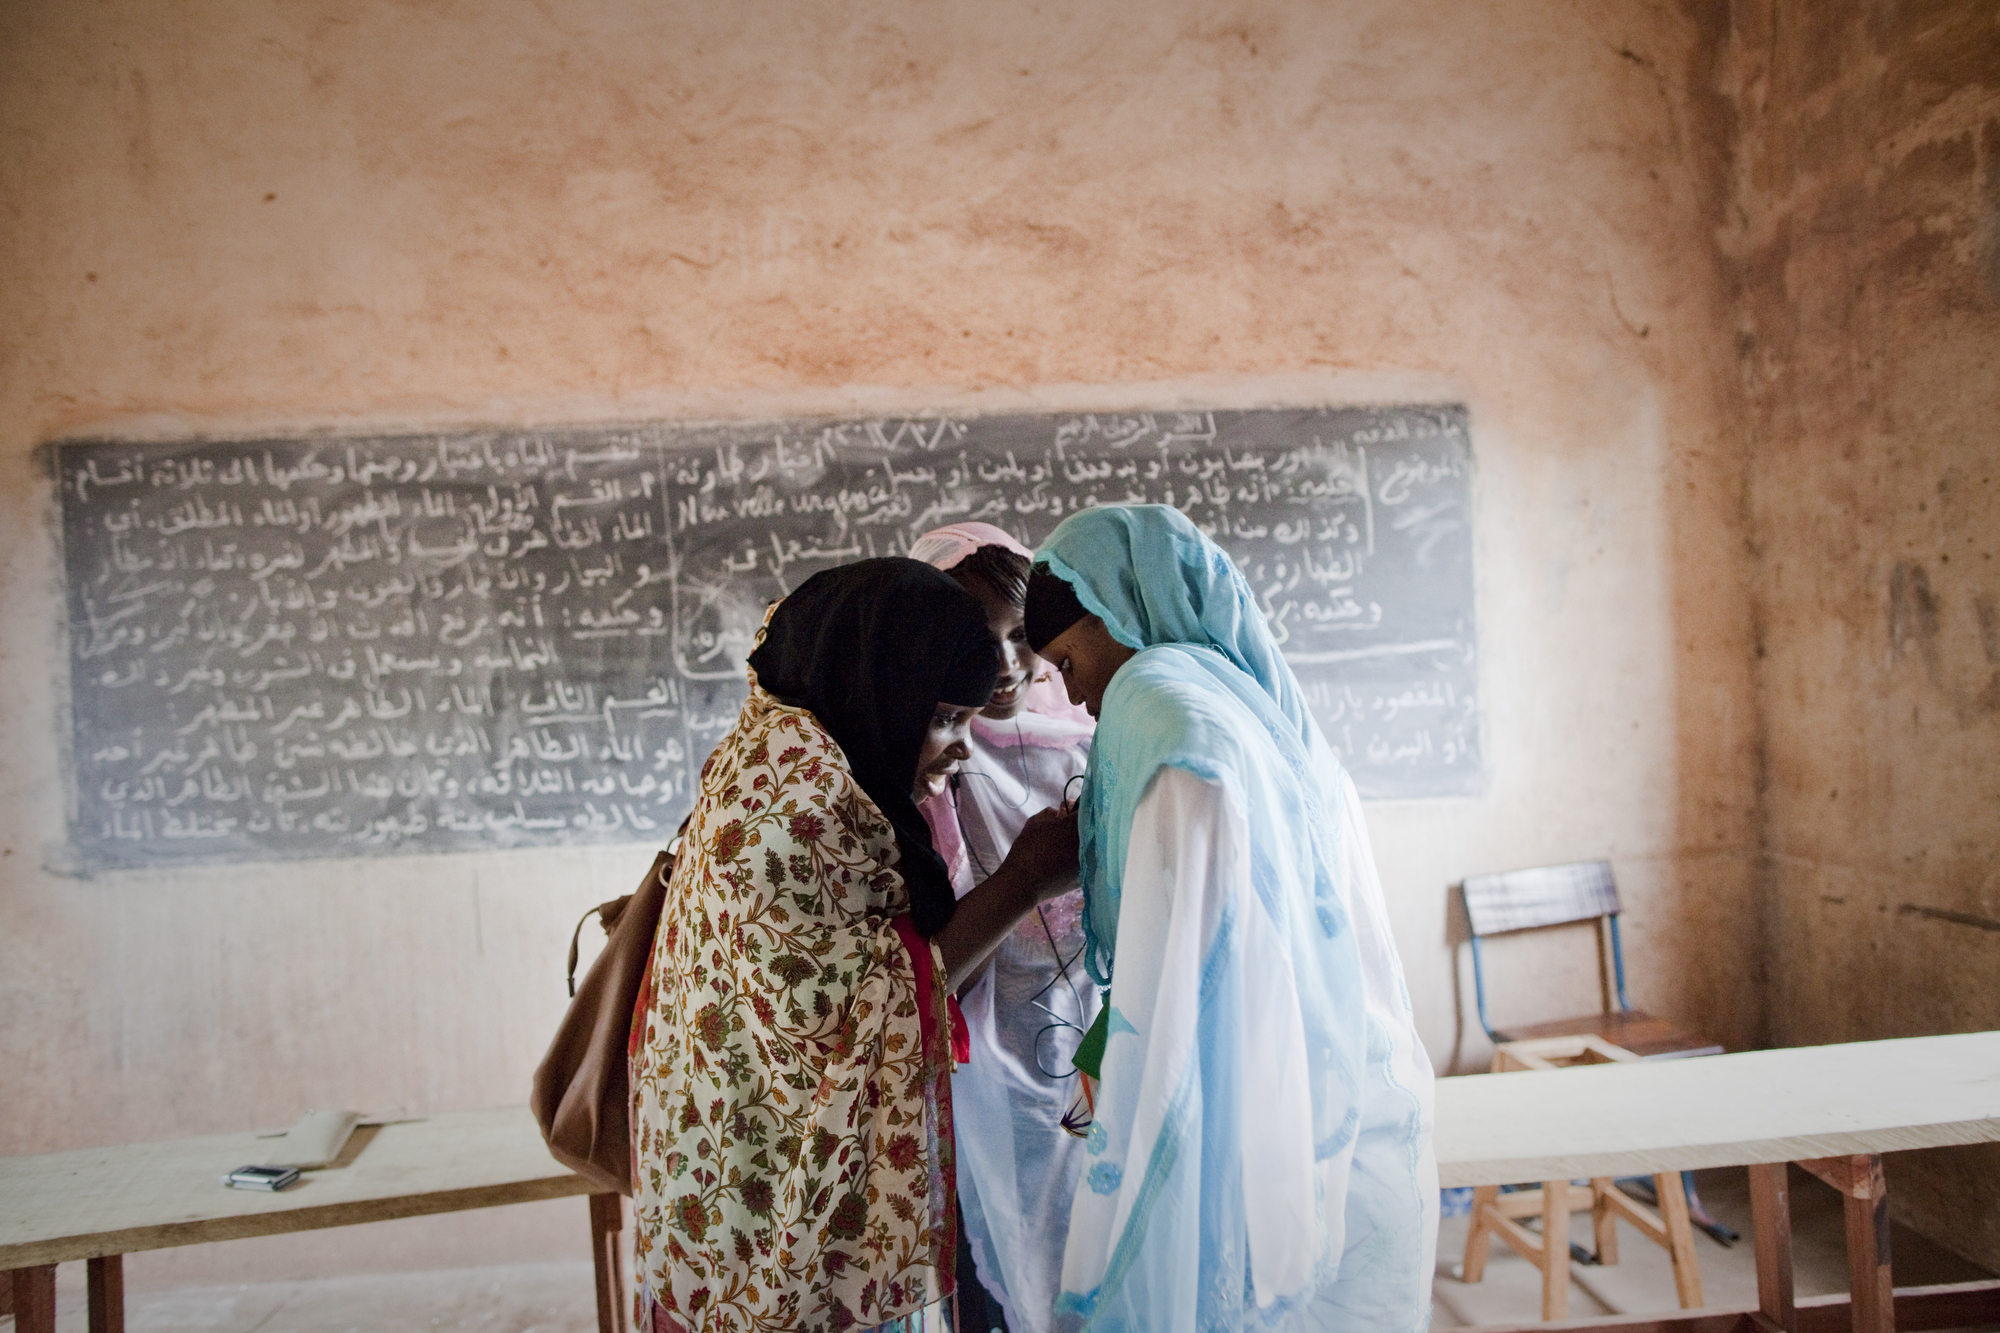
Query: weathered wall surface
227	216
1870	186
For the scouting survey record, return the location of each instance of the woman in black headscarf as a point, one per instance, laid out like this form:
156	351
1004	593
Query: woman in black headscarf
791	1049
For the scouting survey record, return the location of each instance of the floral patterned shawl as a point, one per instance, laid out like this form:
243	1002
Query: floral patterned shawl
790	1079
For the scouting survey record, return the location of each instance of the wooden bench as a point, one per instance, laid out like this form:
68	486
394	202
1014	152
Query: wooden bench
1832	1109
99	1204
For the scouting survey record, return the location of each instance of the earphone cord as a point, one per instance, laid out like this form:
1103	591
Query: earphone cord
1063	965
1020	774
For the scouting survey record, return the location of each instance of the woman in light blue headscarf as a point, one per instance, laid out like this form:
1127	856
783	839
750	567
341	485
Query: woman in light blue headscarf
1261	1154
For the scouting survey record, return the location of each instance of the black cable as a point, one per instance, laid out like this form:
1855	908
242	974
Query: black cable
1063	964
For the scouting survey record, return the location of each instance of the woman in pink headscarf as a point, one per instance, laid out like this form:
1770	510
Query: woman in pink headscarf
1031	1003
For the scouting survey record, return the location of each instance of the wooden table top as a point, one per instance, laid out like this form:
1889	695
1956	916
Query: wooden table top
1492	1129
146	1196
1720	1110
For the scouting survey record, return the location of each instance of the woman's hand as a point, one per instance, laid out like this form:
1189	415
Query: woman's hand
1044	854
1040	865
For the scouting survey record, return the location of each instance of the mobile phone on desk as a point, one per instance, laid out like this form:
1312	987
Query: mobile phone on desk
270	1178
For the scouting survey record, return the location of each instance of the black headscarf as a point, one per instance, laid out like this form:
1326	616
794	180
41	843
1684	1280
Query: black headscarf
1050	606
871	649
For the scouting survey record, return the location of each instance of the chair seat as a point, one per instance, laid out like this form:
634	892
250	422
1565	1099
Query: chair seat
1645	1036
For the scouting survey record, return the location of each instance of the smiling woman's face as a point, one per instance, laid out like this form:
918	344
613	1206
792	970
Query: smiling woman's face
946	746
1018	663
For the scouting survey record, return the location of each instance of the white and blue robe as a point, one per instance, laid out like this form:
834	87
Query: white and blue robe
1261	1157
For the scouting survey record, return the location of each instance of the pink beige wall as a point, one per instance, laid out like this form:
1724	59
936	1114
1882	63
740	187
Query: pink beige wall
1869	337
246	216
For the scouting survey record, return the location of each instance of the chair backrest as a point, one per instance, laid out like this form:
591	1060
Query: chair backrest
1543	896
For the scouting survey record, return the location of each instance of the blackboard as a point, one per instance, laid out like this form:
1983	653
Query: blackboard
471	640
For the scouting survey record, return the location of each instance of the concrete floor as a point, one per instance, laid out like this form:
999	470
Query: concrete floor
557	1298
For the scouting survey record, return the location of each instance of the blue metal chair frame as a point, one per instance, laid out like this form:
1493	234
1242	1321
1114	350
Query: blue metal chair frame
1479	975
1545	896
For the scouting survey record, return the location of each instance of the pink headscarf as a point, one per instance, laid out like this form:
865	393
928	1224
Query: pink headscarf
945	547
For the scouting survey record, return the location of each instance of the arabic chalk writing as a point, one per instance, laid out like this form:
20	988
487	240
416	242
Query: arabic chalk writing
289	648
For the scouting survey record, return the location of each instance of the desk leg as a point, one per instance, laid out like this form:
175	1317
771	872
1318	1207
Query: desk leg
1771	1223
1866	1200
1865	1196
607	1253
35	1299
1555	1249
107	1293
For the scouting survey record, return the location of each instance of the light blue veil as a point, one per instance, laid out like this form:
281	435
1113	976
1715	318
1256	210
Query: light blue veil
1156	581
1209	692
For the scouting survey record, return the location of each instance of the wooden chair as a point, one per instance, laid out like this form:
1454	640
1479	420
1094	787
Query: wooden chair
1557	896
1532	900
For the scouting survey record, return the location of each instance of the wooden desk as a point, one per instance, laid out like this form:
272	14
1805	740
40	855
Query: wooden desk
98	1204
1832	1109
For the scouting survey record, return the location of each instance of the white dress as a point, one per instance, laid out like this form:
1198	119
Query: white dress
1017	1167
1187	875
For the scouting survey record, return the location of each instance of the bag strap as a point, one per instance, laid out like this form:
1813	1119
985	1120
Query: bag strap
574	936
609	912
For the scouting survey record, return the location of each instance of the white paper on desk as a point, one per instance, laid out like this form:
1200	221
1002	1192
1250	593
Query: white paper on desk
314	1141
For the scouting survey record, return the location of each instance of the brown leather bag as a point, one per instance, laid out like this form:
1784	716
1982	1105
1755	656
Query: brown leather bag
582	1092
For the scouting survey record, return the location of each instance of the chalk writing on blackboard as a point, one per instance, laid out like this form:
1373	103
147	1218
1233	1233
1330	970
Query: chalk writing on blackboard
327	647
